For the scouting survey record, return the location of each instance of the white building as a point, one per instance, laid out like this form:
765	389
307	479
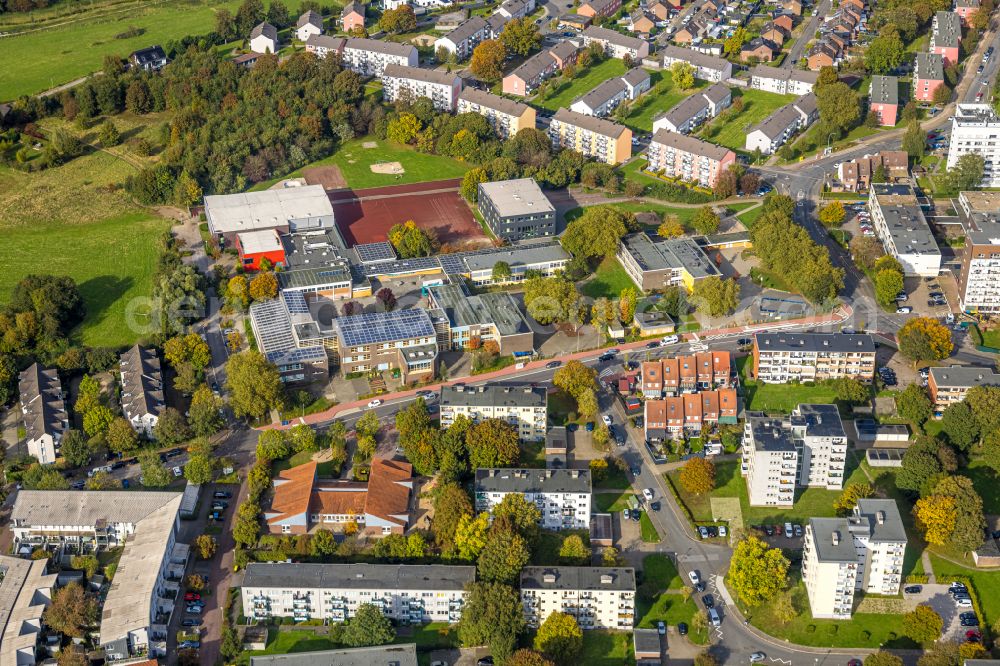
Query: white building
369	57
142	388
615	44
781	125
706	67
598	597
780	358
561	495
44	412
979	284
410	593
783	81
975	128
441	88
264	39
603	99
680	156
309	24
808	449
26	591
324	45
512	9
506	116
522	406
143	596
461	41
901	226
863	552
694	110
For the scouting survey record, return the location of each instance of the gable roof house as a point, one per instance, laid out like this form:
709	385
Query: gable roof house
759	48
142	389
883	99
352	17
706	67
311	23
692	111
640	22
824	53
464	38
594	8
44	412
695	29
603	99
264	38
615	44
777	128
530	74
784	21
149	59
773	32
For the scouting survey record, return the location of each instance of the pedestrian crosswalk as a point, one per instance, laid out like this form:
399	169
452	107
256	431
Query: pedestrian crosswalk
606	372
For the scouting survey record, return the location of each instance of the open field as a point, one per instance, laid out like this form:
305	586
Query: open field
563	93
785	397
757	105
663	96
355	161
608	281
607	648
74	47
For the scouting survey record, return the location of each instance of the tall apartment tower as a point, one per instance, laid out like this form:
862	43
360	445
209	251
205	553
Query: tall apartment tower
975	128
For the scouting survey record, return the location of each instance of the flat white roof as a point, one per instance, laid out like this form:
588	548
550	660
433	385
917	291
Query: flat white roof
248	211
257	242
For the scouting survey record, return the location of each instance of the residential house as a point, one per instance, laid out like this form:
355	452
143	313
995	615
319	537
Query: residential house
825	53
760	49
352	17
640	22
442	88
965	9
515	9
592	8
979	288
324	45
686	373
404	654
598	597
506	116
603	99
601	139
142	389
694	110
264	38
669	417
694	31
659	10
974	129
664	263
950	385
246	60
529	75
899	221
883	99
775	32
521	405
785	22
302	502
615	44
706	67
43	411
461	41
783	81
777	128
792	6
688	158
26	588
946	36
780	358
311	23
856	175
928	75
149	59
563	496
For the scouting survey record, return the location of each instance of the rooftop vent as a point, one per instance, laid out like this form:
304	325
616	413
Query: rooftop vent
607	579
880	517
548	578
835	537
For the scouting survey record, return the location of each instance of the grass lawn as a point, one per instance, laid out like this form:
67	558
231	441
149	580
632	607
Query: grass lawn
671	609
355	163
785	397
563	94
431	636
608	281
809	502
610	502
546	554
616	479
658	570
286	642
862	630
991	337
732	132
649	533
663	95
607	648
985	481
684	215
67	49
533	454
562	409
323	469
750	216
985	583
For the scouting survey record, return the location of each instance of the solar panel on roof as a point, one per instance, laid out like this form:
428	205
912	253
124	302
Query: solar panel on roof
374	252
375	327
295	301
401	266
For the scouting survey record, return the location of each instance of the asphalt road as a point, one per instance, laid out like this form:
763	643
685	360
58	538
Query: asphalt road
799	47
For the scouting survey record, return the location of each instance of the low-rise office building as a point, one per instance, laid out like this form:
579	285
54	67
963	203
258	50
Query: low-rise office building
688	158
546	258
781	125
142	388
706	67
601	139
303	502
901	226
407	593
779	358
862	552
26	590
505	116
950	385
520	405
470	321
664	263
686	373
615	44
43	411
137	609
694	110
404	339
807	449
783	81
402	82
563	496
516	209
598	597
603	99
688	413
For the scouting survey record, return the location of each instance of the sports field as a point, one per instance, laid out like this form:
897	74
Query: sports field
365	216
59	49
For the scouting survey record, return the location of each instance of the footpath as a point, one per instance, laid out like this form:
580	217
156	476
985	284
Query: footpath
841	313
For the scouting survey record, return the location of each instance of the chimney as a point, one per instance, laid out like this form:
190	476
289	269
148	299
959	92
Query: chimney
835	537
575	474
548	474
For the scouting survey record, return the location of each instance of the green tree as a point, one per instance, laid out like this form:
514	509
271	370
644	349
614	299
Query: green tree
492	615
970	524
671	227
76	449
206	545
924	339
120	435
682	74
526	657
705	658
866	251
844	505
913	404
734	43
37	477
171	428
302	438
253	383
756	572
958	424
273	445
881	658
188	348
519	514
984	402
404	129
88	564
918	466
97	420
487	60
503	557
72	611
205	413
322	543
888	283
923	624
470	536
598	232
832	214
574	551
884	53
914	140
705	221
108	135
368	627
520	36
493	443
716	296
154	472
103	481
470	183
501	271
851	390
199	469
560	639
395	21
967	173
839	106
451	504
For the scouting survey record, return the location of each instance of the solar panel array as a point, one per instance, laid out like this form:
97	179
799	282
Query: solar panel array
272	324
296	302
370	253
452	264
377	327
401	266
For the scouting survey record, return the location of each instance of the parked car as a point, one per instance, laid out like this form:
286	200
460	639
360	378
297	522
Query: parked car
682	628
694	577
670	340
221	494
913	589
964	602
626	515
636	514
970	622
589	427
757	657
192	596
797	529
178	471
219	506
652	345
768	530
553	364
722	530
189	645
708	601
648	494
193	610
703	532
654	506
661	628
372	404
606	419
191	622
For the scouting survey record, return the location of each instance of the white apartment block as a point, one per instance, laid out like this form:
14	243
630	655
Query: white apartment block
779	358
522	406
706	67
901	226
44	412
808	449
410	593
461	41
369	57
783	81
842	555
142	389
439	87
561	495
505	116
26	591
598	597
615	44
975	128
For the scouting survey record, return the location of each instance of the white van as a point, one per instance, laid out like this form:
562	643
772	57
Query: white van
670	340
713	617
788	531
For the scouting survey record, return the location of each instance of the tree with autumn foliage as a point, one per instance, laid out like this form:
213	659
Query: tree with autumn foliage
925	339
487	60
756	572
832	214
935	517
698	476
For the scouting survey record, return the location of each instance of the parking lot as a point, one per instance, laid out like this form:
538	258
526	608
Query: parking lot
940	599
774	536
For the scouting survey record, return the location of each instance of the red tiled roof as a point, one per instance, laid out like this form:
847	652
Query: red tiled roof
292	491
388	496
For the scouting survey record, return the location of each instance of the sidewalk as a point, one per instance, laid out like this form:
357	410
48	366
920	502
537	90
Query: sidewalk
843	312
